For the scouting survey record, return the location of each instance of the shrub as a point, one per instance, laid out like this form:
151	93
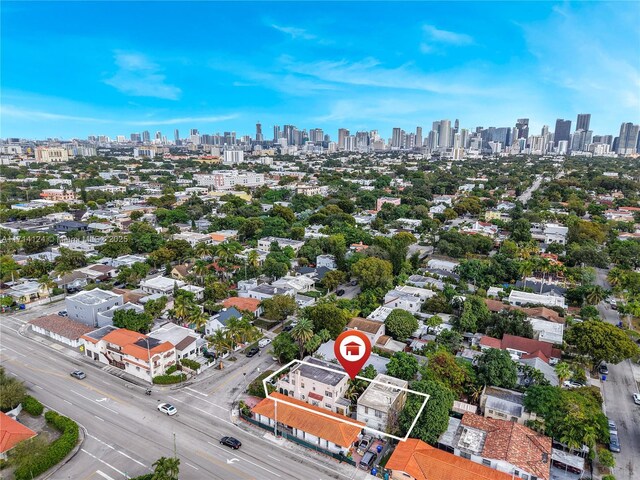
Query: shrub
192	364
606	458
32	406
169	379
57	450
148	476
608	477
171	369
256	389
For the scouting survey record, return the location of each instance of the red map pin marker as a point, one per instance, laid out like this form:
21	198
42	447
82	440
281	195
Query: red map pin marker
352	349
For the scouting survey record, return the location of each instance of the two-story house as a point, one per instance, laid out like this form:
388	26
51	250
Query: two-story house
381	403
318	384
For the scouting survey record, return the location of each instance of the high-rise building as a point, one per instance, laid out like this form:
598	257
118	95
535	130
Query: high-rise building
396	137
194	131
146	136
316	135
628	139
456	126
276	133
176	135
418	137
562	132
444	134
135	137
583	121
343	133
523	127
259	137
159	135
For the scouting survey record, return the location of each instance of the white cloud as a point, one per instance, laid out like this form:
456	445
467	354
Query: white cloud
139	77
445	36
12	111
294	32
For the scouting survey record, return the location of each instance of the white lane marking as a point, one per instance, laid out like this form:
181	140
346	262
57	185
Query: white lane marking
131	458
176	399
102	461
196	391
248	461
14	351
207	401
93	400
192	466
104	443
212	415
65	400
38	386
104	475
277	460
99	418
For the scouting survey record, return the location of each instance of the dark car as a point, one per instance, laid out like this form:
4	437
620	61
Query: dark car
288	328
78	374
368	460
63	313
231	442
210	355
603	369
253	351
340	292
614	443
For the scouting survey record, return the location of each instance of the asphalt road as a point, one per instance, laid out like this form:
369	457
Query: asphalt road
526	195
125	433
621	383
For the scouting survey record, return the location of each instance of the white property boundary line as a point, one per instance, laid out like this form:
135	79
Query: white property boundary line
373	430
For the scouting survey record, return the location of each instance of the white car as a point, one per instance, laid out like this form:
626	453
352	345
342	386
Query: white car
636	398
167	408
571	384
264	342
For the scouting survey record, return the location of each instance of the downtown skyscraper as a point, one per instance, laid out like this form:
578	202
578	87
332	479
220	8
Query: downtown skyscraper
562	131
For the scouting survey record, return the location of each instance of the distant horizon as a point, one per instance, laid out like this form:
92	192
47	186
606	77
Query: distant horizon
116	68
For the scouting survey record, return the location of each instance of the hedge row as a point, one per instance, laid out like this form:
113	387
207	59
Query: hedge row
56	451
171	369
32	406
192	364
169	379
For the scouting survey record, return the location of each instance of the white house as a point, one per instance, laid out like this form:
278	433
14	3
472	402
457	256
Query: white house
555	233
299	284
327	261
188	344
265	243
86	305
161	286
519	298
380	405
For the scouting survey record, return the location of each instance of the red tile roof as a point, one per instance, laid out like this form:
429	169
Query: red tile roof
12	432
365	325
423	462
249	304
126	339
514	443
541	312
329	426
490	342
522	344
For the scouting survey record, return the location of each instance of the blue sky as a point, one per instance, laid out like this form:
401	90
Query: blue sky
76	69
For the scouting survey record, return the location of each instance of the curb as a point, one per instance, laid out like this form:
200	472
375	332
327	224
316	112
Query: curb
82	434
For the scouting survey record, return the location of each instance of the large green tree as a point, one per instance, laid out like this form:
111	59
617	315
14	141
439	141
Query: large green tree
132	320
496	368
600	342
279	307
327	315
402	365
434	419
400	324
373	273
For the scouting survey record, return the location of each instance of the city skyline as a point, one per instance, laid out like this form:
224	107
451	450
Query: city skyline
368	69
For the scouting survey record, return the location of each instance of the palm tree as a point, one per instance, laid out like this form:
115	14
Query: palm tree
595	294
182	307
200	268
47	284
198	318
616	277
543	266
221	343
563	371
302	333
202	250
166	468
62	269
253	259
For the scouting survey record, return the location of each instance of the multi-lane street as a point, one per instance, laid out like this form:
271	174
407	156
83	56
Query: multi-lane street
125	433
619	386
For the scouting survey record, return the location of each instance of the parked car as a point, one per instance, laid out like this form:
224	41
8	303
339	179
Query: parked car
603	369
612	426
353	283
209	354
572	384
79	374
340	292
231	442
287	328
63	313
167	408
364	444
253	351
614	443
264	342
636	398
368	460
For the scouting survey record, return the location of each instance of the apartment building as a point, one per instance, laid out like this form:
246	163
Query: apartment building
379	405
